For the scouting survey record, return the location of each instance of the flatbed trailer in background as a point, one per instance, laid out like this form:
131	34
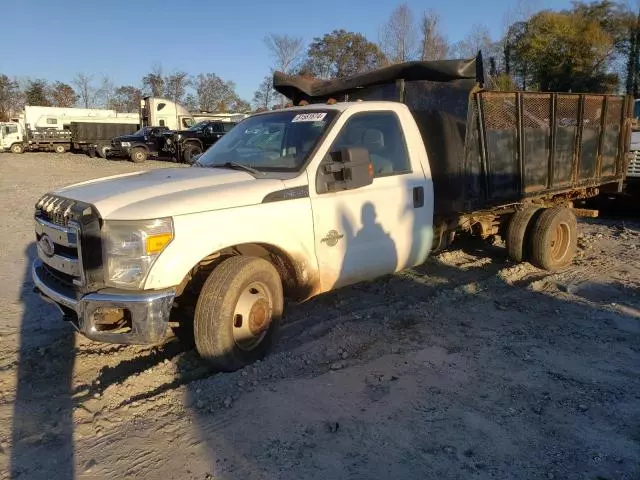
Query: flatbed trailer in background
95	138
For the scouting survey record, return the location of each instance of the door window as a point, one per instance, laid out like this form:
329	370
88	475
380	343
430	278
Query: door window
380	133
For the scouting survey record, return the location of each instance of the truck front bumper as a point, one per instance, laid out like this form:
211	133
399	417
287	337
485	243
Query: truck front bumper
143	317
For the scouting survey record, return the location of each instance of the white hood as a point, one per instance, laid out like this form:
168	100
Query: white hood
170	192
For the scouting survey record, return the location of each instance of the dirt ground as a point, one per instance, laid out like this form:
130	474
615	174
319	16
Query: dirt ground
467	367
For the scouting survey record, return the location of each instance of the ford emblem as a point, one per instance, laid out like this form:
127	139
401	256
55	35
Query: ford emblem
46	245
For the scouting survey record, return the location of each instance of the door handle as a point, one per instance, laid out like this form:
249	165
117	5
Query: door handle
418	197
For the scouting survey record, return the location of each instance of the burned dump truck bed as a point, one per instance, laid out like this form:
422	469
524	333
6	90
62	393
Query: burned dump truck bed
488	149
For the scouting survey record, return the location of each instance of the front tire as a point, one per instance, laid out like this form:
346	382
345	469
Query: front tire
189	151
138	155
238	312
59	149
554	239
17	148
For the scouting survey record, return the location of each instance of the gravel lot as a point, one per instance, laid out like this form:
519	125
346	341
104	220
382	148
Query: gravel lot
467	367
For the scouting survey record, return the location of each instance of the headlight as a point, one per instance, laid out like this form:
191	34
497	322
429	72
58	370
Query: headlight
131	247
126	144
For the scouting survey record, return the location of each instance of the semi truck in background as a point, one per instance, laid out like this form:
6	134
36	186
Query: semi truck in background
162	112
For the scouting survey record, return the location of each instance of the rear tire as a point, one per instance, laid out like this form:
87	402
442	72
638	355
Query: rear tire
138	155
238	312
59	149
518	231
17	148
554	239
189	151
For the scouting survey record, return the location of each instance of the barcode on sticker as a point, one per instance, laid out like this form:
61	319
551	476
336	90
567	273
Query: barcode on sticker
309	117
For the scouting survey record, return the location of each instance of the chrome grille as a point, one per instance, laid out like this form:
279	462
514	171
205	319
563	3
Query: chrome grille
58	240
54	210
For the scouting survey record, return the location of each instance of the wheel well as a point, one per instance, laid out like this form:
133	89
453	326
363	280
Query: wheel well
298	283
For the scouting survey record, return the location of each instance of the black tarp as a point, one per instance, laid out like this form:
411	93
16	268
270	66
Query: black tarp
312	90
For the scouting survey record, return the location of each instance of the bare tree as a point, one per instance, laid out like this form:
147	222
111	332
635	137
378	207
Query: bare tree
215	94
106	93
265	97
398	37
478	39
11	97
153	82
84	88
434	45
62	95
175	86
285	50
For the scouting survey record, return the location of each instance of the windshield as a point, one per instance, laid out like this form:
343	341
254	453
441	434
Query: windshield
271	142
198	126
143	131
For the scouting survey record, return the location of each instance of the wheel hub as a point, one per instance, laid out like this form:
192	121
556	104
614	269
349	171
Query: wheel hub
252	316
259	317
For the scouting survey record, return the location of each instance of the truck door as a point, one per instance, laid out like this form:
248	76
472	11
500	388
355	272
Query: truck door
381	228
156	140
212	133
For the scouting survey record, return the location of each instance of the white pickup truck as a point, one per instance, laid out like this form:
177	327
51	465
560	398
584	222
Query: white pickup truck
300	201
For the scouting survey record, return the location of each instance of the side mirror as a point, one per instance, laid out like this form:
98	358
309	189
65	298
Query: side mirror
345	170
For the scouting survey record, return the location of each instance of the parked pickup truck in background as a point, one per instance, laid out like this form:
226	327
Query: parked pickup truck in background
185	144
300	201
146	142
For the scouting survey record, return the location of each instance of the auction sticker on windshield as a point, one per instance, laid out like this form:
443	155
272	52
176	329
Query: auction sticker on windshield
309	117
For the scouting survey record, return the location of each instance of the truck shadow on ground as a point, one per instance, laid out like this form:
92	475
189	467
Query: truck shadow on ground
42	429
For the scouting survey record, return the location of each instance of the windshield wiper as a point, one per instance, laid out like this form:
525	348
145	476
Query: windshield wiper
237	166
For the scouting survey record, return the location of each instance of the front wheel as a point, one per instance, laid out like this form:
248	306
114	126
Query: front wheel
238	312
554	239
59	149
189	152
17	148
138	155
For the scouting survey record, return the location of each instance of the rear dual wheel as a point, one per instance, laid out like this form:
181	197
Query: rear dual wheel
548	238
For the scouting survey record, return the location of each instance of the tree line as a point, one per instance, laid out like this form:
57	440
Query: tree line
205	92
590	47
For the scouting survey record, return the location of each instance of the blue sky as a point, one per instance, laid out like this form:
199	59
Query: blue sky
123	38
